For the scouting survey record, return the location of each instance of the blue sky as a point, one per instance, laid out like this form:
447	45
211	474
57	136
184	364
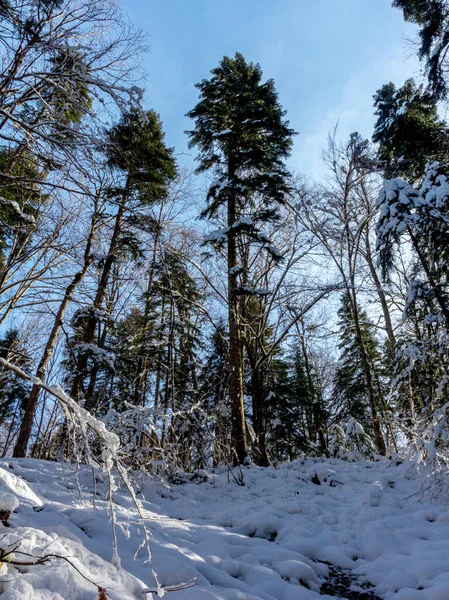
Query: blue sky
327	57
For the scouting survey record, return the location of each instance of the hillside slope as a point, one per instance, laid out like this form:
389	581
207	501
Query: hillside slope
350	530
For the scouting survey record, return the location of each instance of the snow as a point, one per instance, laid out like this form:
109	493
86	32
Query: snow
246	289
8	502
274	251
15	206
220	235
264	540
235	270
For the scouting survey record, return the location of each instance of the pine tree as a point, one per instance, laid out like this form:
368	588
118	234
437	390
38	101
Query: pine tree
13	389
351	397
214	392
408	130
243	139
288	397
136	151
432	17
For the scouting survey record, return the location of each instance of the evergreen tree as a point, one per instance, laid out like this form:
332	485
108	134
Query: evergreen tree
13	389
350	395
243	139
408	130
288	403
303	390
432	17
420	217
214	392
137	153
21	199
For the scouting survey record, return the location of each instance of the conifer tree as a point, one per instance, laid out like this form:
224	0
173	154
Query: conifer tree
351	397
408	130
136	151
304	392
214	392
286	393
243	139
20	204
13	389
419	216
432	17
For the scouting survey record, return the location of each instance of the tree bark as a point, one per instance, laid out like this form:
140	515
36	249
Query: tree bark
261	458
238	426
89	336
382	299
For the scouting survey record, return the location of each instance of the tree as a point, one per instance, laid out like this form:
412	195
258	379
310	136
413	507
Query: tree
144	166
49	81
408	130
418	217
13	389
243	139
338	218
432	17
53	88
292	408
214	392
30	404
350	394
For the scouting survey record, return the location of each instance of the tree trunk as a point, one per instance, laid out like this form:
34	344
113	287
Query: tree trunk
89	336
382	299
31	403
238	427
261	458
378	437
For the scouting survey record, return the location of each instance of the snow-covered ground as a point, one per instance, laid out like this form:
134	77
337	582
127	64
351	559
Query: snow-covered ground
272	538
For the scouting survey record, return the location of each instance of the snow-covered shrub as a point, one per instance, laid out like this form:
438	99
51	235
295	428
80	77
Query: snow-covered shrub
336	441
186	448
431	441
353	443
358	442
135	429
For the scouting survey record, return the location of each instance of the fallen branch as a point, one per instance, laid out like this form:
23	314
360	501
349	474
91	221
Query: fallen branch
172	588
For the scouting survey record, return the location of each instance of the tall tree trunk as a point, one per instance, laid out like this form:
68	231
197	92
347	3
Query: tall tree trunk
89	336
382	299
378	436
238	427
31	402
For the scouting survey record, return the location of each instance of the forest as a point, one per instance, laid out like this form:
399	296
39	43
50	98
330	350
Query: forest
228	381
238	312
